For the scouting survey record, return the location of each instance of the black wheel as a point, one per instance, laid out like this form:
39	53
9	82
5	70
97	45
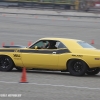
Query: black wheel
21	68
6	63
93	71
77	67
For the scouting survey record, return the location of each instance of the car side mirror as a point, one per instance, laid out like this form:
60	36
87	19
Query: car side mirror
36	47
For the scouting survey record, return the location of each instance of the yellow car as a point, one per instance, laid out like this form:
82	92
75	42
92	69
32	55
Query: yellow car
58	54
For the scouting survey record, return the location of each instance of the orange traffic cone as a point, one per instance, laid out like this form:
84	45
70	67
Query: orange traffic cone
3	15
23	78
92	42
29	43
3	44
12	43
36	17
53	19
68	18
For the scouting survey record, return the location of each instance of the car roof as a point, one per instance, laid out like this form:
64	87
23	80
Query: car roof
60	39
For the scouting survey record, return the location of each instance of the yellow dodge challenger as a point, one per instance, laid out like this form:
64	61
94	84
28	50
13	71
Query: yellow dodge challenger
56	54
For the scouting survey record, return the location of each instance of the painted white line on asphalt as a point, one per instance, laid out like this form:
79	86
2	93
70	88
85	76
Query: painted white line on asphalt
77	87
7	82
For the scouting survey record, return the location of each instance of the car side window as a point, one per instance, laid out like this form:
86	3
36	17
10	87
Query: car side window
40	44
45	44
60	45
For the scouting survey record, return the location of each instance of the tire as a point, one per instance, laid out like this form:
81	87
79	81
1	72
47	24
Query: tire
77	67
6	63
19	68
93	71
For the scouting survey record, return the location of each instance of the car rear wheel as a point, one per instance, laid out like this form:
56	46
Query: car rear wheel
6	63
93	71
77	67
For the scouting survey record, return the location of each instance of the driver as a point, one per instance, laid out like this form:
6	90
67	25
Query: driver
52	45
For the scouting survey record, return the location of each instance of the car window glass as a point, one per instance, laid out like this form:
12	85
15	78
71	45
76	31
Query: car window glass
51	44
84	44
60	45
40	44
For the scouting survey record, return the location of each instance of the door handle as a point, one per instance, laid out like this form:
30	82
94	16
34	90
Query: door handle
53	52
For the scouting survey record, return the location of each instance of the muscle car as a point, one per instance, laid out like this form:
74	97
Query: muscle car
57	54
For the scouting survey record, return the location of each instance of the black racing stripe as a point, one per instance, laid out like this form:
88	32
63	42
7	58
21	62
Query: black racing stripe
61	51
37	51
6	50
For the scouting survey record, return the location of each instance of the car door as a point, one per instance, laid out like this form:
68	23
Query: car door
40	58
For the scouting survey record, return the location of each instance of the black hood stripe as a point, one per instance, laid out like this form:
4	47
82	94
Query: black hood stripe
6	50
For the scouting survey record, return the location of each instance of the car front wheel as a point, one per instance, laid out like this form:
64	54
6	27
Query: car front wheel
6	63
19	68
93	71
77	67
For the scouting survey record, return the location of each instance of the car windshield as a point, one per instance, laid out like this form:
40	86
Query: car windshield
84	44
